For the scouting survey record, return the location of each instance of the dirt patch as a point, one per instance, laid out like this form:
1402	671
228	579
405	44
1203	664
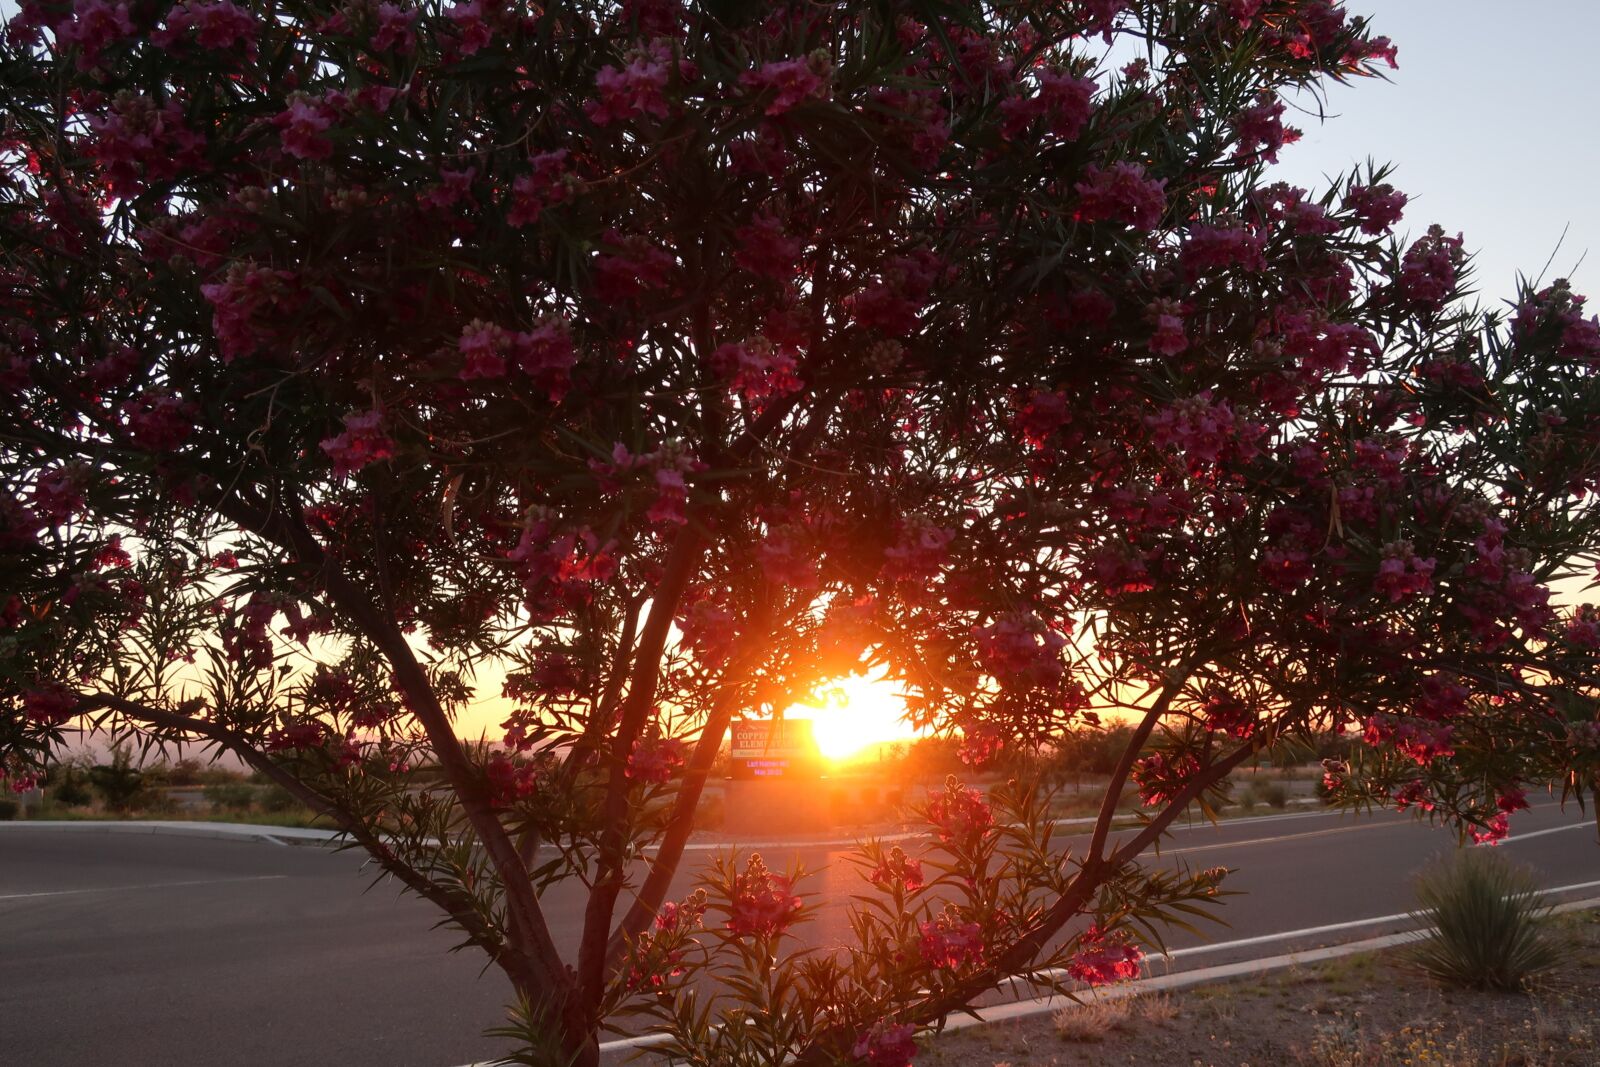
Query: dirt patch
1358	1011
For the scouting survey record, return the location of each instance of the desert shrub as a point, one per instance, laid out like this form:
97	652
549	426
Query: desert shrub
1489	926
69	787
274	798
1272	794
120	785
231	796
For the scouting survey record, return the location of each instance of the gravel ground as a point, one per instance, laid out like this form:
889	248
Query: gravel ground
1359	1011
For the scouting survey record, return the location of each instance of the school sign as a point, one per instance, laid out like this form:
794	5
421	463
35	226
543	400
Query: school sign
774	748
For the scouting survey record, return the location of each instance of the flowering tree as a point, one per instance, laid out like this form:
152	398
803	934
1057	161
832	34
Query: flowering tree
658	363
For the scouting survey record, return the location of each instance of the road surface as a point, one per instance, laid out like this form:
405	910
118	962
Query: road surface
183	951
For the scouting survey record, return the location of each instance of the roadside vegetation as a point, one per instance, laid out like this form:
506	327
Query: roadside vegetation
1370	1010
120	787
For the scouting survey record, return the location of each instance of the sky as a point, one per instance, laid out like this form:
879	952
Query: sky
1490	124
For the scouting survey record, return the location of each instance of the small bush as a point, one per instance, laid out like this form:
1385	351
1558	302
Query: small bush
1273	794
9	809
71	790
230	796
1489	926
120	784
276	799
1092	1020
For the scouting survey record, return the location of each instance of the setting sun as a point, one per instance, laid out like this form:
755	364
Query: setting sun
854	713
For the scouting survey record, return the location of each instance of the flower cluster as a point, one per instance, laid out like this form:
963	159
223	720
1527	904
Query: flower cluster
898	872
1021	650
786	83
1121	193
511	778
654	760
959	815
1105	957
886	1044
362	443
949	942
761	904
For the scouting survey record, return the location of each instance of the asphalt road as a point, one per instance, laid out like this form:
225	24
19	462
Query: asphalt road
183	952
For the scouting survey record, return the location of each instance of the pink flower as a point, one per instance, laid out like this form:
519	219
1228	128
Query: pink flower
1261	131
1104	958
1376	207
51	704
396	30
897	871
791	81
303	126
482	347
919	550
635	90
1218	247
758	368
1101	15
511	778
1401	575
959	815
239	303
95	25
1168	337
1020	650
786	559
545	354
301	736
158	421
137	144
761	904
1492	832
1121	194
1203	430
546	186
633	267
363	442
1244	11
1226	713
1428	270
766	250
886	1045
472	29
1064	102
709	628
948	943
1161	779
219	25
654	760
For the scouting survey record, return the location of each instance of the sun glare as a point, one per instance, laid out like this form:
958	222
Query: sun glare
854	713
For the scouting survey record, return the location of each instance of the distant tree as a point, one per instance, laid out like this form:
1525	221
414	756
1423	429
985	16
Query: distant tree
657	363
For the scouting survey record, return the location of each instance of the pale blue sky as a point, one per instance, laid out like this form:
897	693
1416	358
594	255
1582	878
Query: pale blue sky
1490	121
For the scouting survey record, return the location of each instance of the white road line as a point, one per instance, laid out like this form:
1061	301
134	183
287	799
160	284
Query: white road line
151	885
1514	837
